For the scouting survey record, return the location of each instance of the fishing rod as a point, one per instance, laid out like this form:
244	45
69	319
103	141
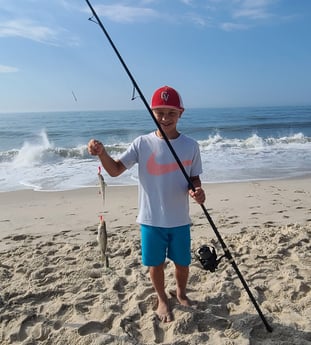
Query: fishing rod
227	253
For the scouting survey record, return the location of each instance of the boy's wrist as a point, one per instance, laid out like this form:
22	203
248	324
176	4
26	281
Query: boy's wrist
102	154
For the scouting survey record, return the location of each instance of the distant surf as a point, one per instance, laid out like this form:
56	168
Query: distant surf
48	152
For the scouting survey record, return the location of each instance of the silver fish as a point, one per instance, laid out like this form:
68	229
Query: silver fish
102	240
102	185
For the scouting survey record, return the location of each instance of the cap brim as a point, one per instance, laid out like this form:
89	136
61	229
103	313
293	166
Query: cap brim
167	106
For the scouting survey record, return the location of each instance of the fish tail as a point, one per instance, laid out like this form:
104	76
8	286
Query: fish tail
106	261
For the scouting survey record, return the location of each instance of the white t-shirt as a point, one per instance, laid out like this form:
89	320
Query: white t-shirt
163	189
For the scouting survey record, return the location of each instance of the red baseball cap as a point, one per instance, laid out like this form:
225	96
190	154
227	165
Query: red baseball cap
166	97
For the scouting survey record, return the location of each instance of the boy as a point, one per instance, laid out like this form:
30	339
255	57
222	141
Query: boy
163	194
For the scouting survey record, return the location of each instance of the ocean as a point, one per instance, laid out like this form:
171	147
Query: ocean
48	151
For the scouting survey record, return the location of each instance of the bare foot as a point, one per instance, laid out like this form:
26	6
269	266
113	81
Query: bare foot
163	312
183	299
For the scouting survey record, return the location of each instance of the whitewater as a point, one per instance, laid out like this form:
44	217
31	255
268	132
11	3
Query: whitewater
48	151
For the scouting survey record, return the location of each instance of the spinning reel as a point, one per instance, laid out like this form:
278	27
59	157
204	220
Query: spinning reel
208	257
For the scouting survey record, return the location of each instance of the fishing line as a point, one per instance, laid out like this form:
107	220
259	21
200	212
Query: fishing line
191	186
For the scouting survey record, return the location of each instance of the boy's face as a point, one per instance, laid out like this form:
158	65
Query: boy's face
167	118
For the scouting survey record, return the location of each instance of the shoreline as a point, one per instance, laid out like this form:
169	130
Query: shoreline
113	183
232	206
135	184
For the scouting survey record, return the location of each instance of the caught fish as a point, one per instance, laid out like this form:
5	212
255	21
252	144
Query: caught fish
102	240
102	185
102	231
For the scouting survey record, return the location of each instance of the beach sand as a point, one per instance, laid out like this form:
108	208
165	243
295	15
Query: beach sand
55	290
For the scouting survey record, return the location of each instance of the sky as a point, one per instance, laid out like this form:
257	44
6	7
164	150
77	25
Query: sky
216	53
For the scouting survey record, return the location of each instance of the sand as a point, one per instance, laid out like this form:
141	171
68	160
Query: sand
54	288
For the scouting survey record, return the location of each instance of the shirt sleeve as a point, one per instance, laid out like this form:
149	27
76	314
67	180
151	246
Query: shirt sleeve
196	168
130	156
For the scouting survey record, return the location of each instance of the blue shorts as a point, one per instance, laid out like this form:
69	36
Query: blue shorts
158	243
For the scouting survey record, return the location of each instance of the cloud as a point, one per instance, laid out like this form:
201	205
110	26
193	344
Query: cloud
226	15
233	26
8	69
252	13
254	9
230	15
123	13
187	2
27	29
197	19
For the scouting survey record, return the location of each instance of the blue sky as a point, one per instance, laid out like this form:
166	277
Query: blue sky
217	53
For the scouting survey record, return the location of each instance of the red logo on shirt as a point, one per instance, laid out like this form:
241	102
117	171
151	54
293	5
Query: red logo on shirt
155	168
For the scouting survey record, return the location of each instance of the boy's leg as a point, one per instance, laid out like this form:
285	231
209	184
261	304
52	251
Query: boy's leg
151	255
181	275
157	278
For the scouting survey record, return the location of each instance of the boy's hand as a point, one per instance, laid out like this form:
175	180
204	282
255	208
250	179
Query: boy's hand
95	147
198	195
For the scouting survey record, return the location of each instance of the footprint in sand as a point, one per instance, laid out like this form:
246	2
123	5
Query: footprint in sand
130	327
30	327
268	224
147	300
91	327
20	237
97	327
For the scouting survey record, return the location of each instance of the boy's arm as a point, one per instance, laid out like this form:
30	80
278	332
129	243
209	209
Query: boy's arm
113	167
196	181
